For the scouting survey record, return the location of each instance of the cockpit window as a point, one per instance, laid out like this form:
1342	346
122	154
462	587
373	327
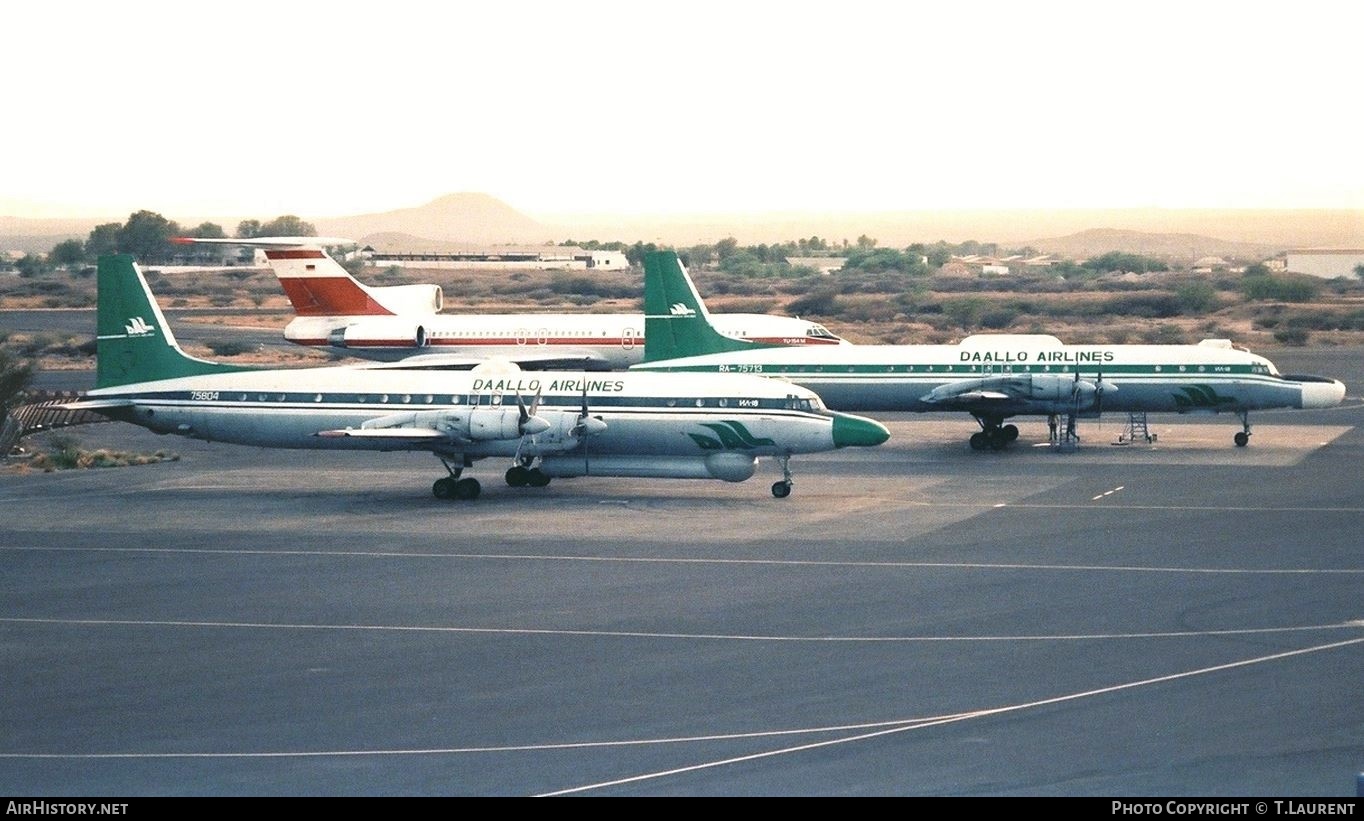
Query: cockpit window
820	332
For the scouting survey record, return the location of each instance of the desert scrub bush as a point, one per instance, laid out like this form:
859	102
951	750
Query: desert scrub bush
63	451
1196	298
1292	335
823	302
1163	334
1147	305
999	317
1278	288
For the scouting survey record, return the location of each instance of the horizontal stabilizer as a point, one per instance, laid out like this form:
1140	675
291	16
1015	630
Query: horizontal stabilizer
96	404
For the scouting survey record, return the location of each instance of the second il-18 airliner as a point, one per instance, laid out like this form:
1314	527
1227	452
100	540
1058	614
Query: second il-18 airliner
990	376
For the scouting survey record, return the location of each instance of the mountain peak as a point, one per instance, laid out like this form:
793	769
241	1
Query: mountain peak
465	217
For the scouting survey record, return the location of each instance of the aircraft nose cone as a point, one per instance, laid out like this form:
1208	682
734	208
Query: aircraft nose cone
1324	394
858	431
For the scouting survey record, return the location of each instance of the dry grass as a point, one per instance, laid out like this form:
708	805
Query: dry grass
62	452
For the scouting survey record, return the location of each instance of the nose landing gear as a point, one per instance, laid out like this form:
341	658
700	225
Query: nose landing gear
1242	437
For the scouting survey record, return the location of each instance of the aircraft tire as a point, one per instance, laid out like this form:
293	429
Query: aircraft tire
1242	439
998	439
466	490
518	476
443	488
1010	432
781	489
536	478
979	441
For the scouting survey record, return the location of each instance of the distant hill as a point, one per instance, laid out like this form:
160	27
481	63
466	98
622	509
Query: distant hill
37	236
454	218
1175	247
1010	228
479	219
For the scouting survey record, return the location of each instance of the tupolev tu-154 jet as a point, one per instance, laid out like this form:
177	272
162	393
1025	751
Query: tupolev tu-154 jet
336	312
990	376
545	425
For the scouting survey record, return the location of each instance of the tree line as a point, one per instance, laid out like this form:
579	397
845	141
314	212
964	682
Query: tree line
865	256
147	236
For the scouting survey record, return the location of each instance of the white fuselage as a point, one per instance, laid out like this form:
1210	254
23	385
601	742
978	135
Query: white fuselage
652	424
1213	376
608	341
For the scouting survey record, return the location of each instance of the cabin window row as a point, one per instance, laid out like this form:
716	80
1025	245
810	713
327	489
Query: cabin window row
501	399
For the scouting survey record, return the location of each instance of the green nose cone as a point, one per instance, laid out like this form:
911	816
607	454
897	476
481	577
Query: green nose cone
858	431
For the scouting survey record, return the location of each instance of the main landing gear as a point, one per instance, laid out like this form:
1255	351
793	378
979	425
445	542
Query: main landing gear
452	487
521	476
993	435
782	489
1242	437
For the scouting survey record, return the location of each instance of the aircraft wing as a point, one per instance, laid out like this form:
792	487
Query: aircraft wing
1021	393
971	397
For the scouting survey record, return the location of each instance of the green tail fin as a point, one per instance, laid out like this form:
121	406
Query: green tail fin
676	323
134	342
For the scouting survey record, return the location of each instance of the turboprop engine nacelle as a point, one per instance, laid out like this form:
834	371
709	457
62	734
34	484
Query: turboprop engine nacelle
379	333
467	424
1027	393
1059	393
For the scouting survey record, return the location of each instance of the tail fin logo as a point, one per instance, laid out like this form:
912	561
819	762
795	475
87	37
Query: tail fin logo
137	326
678	309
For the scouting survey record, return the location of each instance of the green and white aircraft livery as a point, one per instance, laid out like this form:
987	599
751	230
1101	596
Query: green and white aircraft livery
990	376
694	426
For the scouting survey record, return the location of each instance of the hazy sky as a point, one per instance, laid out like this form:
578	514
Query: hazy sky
318	109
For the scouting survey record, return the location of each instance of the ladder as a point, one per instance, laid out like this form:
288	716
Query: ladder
1136	428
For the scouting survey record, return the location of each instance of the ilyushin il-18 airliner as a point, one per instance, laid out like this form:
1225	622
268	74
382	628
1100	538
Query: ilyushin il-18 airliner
544	424
990	376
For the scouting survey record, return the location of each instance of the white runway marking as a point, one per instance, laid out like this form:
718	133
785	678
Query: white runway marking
918	725
1108	493
698	560
508	748
641	634
1175	508
894	726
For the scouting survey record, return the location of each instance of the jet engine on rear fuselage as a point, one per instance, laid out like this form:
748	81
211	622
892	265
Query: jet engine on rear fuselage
380	332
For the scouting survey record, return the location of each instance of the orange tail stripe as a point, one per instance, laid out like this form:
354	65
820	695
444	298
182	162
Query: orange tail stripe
330	296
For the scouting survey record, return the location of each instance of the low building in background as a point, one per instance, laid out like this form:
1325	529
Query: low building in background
544	258
825	265
1327	263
